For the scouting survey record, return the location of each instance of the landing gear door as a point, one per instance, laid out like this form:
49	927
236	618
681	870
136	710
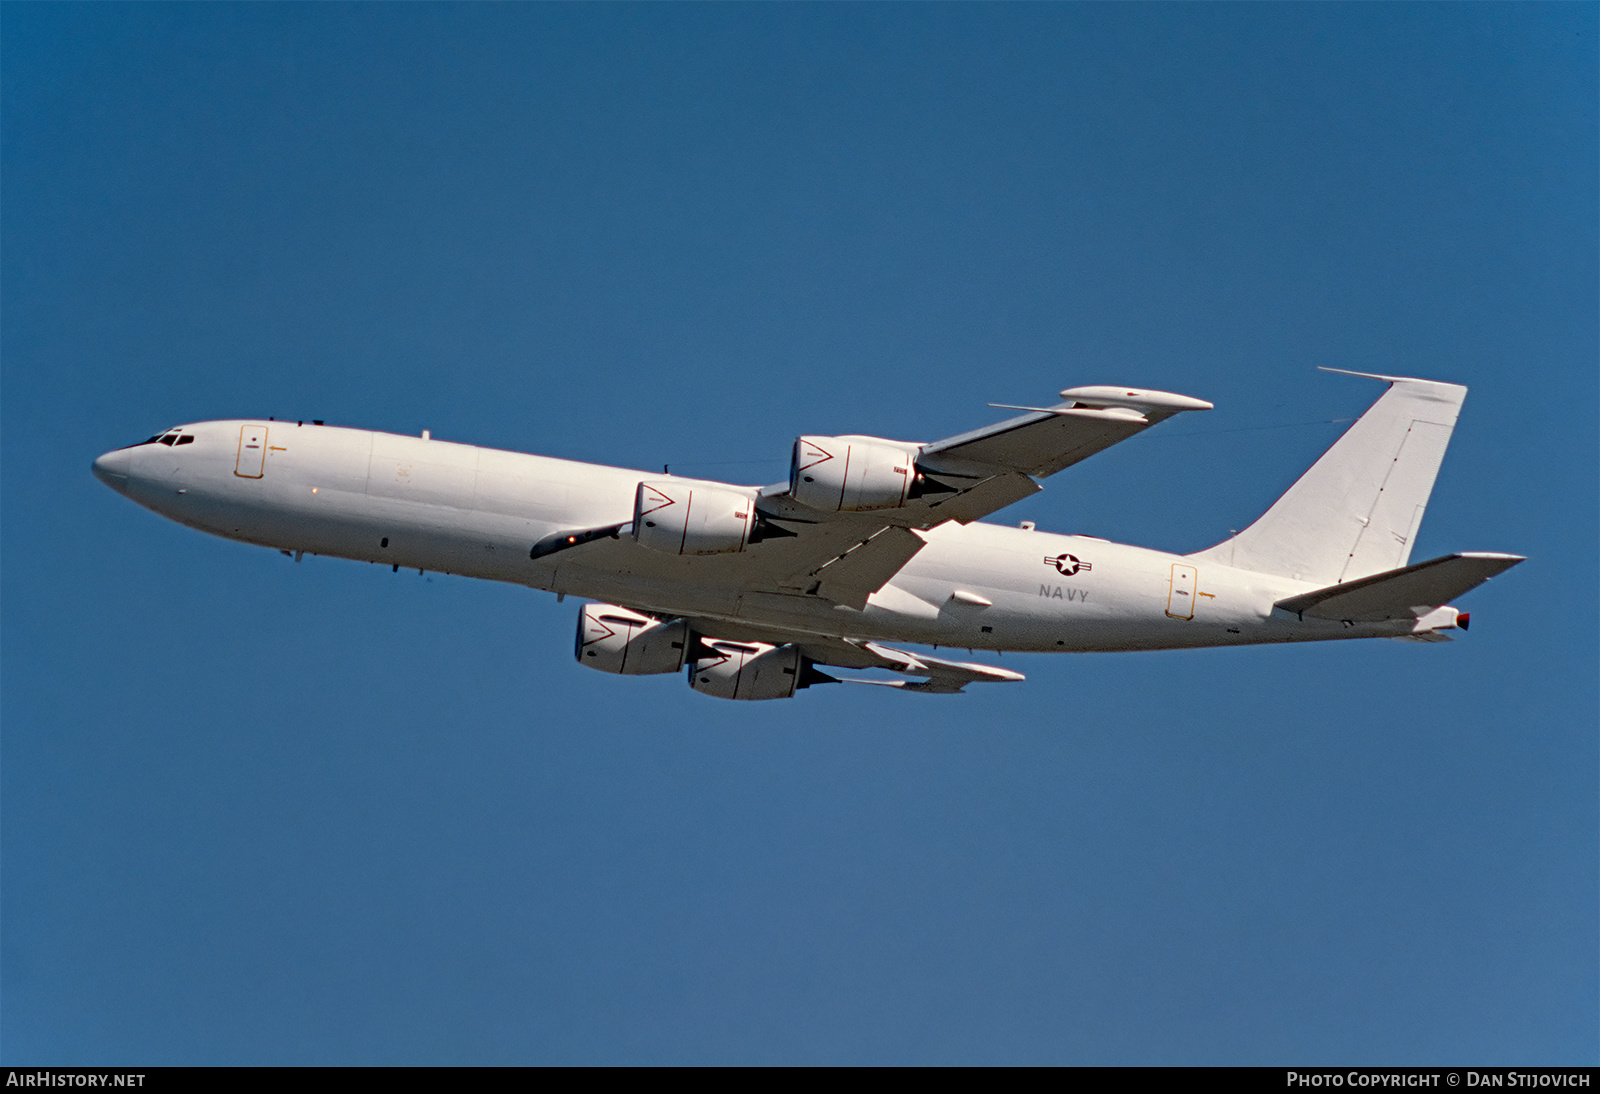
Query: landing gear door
1180	594
252	452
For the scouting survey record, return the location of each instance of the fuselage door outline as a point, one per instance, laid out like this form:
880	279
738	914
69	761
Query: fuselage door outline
252	462
1180	591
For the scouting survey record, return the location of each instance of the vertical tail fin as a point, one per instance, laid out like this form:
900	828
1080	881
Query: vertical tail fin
1356	512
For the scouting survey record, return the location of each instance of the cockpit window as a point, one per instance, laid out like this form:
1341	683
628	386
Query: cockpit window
169	438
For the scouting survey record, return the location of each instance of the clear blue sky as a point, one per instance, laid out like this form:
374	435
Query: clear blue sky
263	812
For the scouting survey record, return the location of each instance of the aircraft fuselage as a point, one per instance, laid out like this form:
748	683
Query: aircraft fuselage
418	503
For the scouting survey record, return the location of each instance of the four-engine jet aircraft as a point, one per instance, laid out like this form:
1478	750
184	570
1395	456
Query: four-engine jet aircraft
869	541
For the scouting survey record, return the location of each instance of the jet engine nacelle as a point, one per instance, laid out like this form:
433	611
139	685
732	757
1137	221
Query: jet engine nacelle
614	639
851	474
747	670
692	518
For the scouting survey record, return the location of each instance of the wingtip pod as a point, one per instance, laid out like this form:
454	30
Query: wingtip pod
1134	398
1506	560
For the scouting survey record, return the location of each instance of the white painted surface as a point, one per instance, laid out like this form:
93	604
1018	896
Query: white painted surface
910	574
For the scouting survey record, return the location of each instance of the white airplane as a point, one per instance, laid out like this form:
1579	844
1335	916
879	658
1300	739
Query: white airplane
869	541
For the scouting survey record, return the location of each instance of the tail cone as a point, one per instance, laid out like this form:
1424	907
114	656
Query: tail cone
1463	619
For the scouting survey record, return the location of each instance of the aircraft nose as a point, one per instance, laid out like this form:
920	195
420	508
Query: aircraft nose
112	469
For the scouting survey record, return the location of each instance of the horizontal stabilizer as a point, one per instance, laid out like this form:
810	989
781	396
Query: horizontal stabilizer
1407	593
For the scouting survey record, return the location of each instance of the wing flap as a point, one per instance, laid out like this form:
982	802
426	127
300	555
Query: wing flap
940	675
985	496
1407	593
851	577
937	668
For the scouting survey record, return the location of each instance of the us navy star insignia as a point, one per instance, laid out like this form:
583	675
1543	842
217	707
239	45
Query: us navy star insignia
1068	564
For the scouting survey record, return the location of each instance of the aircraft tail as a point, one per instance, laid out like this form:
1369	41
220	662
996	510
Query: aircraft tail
1408	593
1356	512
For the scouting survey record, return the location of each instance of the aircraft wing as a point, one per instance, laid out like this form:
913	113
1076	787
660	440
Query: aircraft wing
938	675
972	475
977	473
845	555
1048	439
